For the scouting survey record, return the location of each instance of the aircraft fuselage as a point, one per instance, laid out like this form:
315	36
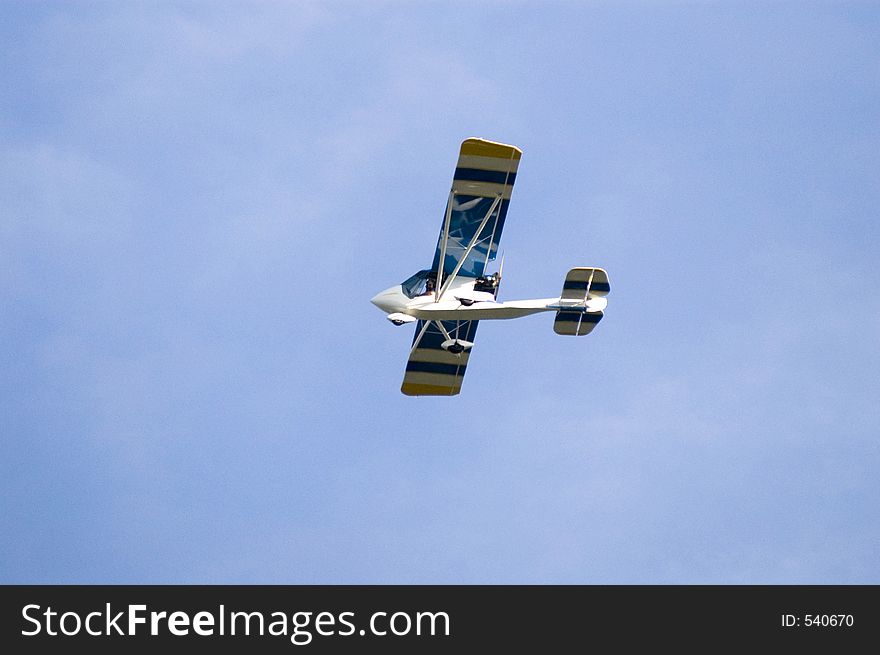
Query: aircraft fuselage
465	304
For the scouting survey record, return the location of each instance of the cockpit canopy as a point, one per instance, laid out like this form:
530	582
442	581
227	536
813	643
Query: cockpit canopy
416	285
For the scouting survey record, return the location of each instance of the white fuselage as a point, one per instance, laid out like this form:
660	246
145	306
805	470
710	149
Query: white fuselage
461	302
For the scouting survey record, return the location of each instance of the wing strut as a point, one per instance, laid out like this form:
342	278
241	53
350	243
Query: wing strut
424	329
443	331
418	339
467	251
449	204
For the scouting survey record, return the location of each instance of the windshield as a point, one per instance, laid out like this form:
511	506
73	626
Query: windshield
415	285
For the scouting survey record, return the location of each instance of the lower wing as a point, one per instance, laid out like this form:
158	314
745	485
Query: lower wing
431	369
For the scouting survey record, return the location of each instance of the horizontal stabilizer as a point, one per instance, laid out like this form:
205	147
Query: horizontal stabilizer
583	282
576	323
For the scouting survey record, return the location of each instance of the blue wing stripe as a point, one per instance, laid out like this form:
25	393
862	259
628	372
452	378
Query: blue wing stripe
477	175
434	367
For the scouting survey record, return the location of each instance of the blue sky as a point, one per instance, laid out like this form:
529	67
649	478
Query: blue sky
198	200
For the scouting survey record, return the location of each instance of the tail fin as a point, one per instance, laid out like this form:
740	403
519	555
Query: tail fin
581	286
583	282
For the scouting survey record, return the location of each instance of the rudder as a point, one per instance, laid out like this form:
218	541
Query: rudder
583	281
583	287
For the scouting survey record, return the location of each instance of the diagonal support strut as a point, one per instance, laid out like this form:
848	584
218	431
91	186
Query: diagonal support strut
467	251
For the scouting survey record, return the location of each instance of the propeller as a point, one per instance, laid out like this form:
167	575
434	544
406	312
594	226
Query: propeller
499	274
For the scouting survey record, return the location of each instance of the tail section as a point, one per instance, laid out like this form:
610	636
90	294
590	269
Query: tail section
582	301
580	283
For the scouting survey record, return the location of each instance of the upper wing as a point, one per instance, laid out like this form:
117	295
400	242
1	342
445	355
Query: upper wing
485	171
432	371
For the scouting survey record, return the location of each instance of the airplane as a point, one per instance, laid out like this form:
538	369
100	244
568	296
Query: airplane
447	301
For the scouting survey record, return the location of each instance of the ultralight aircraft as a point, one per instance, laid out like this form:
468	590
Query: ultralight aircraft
447	301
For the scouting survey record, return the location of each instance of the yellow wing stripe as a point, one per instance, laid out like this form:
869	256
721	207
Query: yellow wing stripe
438	356
413	389
483	148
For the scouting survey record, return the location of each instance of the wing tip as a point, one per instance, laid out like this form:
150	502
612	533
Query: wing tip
413	389
485	148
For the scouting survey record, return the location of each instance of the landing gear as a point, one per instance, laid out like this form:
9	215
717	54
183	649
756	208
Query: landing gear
456	346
